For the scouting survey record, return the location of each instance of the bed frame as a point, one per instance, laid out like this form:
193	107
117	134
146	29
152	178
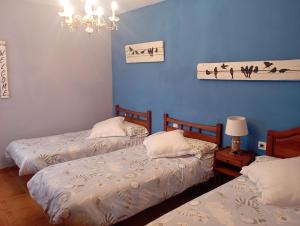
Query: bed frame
140	118
284	144
209	133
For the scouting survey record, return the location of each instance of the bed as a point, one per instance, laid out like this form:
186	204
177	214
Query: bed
32	155
238	203
106	189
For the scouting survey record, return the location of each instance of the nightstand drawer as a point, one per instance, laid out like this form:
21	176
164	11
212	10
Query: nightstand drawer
230	164
224	158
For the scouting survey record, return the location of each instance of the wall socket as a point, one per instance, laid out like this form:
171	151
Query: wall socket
262	145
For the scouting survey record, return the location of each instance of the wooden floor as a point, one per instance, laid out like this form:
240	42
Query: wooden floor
16	206
18	209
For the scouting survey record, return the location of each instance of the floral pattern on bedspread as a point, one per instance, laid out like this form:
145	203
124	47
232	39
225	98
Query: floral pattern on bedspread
105	189
236	203
32	155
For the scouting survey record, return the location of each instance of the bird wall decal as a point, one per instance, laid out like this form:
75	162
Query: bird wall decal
273	70
231	72
145	52
283	70
223	66
243	70
250	71
268	64
216	72
254	70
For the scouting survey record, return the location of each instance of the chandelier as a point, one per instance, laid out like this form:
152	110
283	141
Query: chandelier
93	20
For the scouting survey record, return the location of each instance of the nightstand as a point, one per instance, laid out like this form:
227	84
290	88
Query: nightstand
230	164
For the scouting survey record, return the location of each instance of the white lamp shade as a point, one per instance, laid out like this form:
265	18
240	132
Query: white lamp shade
236	126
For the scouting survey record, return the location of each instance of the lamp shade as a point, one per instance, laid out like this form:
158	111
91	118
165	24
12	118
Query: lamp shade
236	126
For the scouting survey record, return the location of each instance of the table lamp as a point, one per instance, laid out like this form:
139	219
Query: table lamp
236	127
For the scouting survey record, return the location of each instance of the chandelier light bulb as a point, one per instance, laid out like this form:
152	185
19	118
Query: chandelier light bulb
88	7
99	11
70	11
114	6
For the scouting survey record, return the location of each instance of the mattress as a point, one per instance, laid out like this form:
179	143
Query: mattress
32	155
106	189
236	203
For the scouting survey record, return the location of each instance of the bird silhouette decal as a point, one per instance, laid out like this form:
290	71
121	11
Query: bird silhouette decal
255	69
223	66
150	51
216	72
246	71
250	71
243	70
131	50
268	64
274	70
283	70
231	72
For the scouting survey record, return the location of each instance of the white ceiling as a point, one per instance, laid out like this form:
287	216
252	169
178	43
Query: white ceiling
125	5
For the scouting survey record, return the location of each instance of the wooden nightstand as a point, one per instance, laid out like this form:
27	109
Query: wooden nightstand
230	164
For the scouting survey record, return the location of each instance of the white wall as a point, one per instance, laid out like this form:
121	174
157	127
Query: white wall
59	81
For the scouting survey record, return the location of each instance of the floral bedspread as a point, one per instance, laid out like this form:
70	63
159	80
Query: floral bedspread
236	203
32	155
105	189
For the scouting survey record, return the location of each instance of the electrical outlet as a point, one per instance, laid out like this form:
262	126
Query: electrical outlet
175	125
262	145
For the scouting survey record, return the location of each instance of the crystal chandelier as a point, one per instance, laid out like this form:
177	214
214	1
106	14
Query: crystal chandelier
93	20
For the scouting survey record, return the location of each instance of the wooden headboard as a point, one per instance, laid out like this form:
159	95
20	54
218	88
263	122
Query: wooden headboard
284	144
210	133
140	118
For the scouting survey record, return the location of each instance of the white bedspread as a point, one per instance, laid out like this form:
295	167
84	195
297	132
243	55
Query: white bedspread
105	189
32	155
236	203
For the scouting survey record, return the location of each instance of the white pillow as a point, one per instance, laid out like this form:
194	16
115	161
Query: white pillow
264	158
135	130
200	147
113	127
259	160
277	180
167	144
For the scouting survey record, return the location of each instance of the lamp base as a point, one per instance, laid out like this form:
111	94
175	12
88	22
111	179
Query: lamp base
235	145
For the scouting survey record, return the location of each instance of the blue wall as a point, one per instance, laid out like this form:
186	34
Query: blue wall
197	31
